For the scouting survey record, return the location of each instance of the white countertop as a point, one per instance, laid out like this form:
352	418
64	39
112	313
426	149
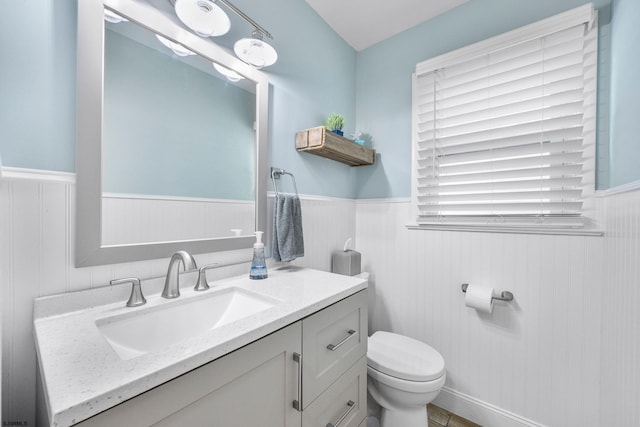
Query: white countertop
82	374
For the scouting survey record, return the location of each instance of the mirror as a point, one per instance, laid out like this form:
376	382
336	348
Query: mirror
178	165
178	144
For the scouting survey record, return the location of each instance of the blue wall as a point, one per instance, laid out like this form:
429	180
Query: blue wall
37	84
315	75
625	92
384	78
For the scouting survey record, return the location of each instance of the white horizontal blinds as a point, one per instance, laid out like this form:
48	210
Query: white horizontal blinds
502	134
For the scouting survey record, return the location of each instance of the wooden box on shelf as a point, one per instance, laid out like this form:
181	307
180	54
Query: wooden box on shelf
321	142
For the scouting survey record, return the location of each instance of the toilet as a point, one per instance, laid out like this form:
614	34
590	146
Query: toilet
404	375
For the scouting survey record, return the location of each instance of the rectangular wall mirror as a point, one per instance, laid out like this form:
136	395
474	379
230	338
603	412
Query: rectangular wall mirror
171	153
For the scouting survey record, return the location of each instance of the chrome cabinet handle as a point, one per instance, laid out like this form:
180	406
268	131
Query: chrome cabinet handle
297	357
351	404
334	347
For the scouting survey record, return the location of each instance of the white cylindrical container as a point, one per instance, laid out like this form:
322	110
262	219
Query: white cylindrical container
479	297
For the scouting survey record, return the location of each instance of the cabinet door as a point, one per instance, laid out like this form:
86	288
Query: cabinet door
344	404
252	386
333	340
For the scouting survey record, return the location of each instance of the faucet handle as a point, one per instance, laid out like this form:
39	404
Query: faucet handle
202	284
136	298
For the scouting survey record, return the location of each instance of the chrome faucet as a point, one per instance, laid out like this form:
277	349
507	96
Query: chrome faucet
172	282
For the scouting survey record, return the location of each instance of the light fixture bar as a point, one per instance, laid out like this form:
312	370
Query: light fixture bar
242	15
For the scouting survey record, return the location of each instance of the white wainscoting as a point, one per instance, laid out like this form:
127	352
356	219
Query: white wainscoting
138	219
566	352
538	357
37	212
327	223
620	364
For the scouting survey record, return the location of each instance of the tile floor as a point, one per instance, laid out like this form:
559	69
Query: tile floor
439	417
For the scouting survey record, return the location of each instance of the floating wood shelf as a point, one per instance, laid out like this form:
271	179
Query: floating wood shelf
322	142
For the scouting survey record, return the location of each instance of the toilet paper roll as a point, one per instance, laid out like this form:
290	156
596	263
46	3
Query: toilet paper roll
480	298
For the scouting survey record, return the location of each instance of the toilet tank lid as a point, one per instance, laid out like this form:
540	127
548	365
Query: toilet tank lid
403	357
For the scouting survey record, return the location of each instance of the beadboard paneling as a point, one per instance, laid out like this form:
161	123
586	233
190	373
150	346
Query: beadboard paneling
37	214
327	223
620	369
539	356
565	353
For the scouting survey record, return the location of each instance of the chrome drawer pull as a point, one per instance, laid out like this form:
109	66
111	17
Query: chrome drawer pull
334	347
297	357
351	404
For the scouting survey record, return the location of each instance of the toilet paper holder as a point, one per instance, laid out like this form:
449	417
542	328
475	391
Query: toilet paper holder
504	295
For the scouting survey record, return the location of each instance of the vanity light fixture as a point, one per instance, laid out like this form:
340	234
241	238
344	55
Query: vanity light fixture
203	17
207	19
231	75
254	51
176	48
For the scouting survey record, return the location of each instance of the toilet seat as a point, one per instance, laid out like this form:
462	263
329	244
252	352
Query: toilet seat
404	358
406	385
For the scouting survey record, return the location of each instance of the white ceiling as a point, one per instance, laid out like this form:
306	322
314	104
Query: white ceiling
363	23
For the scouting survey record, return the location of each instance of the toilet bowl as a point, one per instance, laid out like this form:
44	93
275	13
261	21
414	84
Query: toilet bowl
404	375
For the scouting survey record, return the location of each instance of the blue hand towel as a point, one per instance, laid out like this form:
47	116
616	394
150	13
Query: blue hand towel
287	243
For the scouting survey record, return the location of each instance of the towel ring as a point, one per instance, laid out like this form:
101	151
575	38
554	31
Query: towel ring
276	173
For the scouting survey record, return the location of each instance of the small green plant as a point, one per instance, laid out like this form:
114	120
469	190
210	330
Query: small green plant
335	122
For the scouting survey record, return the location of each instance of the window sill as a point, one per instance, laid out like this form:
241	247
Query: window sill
508	229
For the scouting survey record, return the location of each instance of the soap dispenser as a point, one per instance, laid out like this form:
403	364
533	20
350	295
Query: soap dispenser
258	264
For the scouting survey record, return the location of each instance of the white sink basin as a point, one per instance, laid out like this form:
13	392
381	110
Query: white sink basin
144	331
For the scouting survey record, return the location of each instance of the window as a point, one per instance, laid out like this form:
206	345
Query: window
504	130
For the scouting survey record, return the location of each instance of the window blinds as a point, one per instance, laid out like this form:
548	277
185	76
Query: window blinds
508	133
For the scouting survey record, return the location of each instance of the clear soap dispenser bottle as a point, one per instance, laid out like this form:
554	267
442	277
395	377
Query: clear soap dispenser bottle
258	264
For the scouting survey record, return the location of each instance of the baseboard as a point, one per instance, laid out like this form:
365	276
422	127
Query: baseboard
478	411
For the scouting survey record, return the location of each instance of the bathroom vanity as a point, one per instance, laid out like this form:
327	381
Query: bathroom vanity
286	351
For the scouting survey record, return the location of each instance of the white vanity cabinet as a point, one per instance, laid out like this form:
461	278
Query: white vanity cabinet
252	386
258	384
334	345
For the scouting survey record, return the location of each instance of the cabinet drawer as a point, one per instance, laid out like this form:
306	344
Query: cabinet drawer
344	404
333	340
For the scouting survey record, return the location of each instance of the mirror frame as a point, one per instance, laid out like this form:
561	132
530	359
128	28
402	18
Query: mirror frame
89	249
